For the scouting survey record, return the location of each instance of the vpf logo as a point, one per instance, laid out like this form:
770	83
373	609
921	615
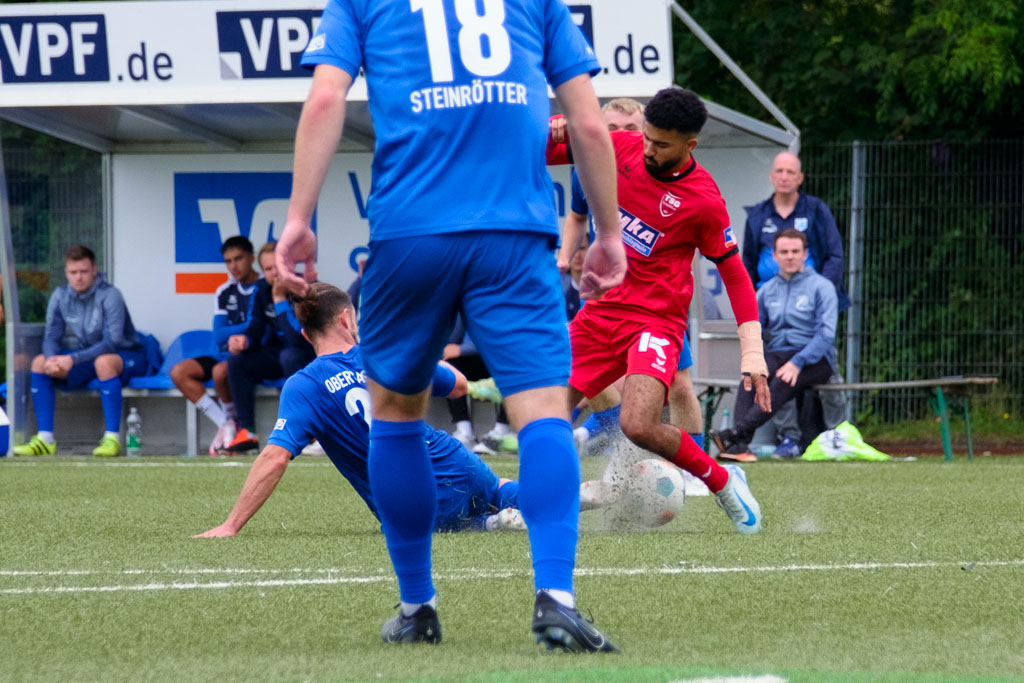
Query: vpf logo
211	207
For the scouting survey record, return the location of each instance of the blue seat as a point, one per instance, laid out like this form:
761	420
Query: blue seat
189	344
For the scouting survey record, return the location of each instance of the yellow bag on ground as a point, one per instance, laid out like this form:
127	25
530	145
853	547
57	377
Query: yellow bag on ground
841	444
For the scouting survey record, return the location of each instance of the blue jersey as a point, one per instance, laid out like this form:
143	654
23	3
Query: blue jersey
328	401
445	83
579	202
231	311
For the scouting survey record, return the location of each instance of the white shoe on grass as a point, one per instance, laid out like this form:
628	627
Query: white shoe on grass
739	503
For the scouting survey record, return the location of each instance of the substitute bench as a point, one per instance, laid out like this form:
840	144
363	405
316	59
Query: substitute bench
958	387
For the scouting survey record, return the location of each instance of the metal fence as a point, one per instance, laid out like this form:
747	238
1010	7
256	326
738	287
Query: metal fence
56	200
935	257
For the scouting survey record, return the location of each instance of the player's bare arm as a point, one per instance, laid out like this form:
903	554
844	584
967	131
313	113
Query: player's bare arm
605	263
316	140
744	305
573	229
266	472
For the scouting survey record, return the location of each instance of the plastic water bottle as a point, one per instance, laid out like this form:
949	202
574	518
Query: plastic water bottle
726	422
133	437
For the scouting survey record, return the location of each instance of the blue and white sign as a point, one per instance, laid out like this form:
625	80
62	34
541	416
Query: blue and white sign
211	207
53	49
264	44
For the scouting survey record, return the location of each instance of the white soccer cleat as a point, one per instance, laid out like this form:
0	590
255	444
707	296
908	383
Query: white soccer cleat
224	436
510	519
739	503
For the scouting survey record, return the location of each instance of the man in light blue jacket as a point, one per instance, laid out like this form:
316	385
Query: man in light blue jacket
798	310
89	335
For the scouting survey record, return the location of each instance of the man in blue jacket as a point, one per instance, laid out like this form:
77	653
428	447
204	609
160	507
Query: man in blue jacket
790	208
797	309
89	335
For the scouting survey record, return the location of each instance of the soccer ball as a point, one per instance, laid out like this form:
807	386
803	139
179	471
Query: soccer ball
654	493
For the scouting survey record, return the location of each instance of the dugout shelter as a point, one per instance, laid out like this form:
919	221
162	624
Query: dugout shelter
193	107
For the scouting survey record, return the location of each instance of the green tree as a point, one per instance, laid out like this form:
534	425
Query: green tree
859	69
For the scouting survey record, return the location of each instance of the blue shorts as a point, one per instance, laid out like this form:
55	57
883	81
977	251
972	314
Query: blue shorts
459	503
685	359
505	284
82	373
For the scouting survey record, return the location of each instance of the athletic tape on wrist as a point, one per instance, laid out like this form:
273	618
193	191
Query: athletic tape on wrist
752	349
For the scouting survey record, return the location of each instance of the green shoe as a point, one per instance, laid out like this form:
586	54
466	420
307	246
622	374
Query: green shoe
509	444
36	446
109	448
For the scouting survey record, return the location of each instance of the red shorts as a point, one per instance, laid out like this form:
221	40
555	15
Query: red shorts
604	349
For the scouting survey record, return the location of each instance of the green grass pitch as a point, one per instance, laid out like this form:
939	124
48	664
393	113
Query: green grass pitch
895	571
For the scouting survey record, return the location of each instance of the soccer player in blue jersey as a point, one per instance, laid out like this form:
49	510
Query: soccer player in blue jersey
462	220
328	400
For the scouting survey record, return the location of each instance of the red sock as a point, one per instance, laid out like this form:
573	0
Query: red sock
694	460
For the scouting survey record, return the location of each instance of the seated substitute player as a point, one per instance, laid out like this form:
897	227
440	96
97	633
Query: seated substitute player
669	206
271	347
89	335
328	400
798	310
230	315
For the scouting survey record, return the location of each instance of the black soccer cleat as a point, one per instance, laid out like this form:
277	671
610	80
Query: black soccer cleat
564	627
421	627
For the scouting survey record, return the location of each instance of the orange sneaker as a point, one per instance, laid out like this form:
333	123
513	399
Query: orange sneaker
244	443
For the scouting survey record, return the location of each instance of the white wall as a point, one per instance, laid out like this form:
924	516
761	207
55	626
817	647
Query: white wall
145	258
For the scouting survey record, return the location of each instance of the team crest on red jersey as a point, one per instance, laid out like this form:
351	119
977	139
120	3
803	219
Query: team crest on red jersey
669	204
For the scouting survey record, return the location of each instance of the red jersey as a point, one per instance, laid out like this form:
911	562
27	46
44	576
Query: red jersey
663	221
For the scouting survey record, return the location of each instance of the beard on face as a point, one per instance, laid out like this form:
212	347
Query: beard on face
662	168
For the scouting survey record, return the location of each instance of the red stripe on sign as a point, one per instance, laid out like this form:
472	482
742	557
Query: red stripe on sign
198	283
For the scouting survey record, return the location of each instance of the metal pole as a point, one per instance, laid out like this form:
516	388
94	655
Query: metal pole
736	71
856	259
16	399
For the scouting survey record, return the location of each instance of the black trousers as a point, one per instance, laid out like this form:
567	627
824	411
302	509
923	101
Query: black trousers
749	416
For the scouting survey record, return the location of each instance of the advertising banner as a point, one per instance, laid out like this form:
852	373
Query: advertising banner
185	52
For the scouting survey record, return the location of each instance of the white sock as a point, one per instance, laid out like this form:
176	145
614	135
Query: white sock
501	429
113	435
209	407
564	597
409	608
46	436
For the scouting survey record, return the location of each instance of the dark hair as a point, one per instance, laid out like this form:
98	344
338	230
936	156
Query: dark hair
79	252
318	309
676	109
792	233
237	242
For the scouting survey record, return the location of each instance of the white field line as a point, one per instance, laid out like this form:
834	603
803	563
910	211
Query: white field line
337	577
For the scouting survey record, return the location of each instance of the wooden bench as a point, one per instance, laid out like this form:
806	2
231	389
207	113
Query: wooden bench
958	386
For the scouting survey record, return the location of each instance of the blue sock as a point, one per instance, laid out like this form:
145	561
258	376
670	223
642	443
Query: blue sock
603	421
402	482
43	400
110	398
575	414
549	498
698	439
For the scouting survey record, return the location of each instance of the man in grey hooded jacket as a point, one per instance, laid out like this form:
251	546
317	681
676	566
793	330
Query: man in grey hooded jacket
89	335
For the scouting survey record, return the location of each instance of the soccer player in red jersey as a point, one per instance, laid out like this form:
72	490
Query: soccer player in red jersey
669	206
